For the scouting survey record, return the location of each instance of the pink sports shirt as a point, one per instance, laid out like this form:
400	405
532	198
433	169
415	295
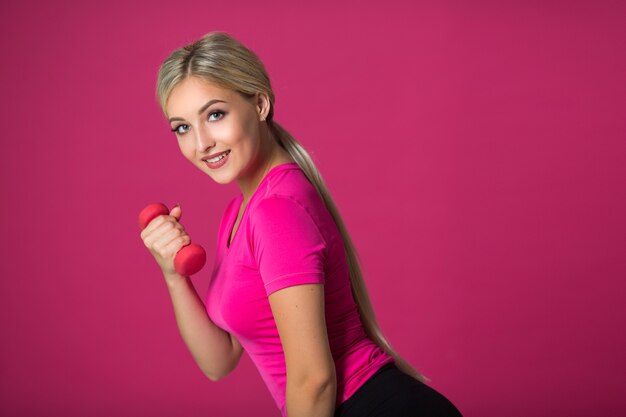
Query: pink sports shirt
287	237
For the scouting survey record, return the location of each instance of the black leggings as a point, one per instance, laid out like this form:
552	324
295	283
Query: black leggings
392	393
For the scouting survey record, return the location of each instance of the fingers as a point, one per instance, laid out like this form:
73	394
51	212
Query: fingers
166	233
164	229
154	223
159	222
174	245
161	232
164	236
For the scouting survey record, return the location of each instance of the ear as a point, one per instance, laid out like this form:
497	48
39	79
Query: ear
262	105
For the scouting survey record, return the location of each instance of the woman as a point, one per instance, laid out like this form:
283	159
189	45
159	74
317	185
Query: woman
286	286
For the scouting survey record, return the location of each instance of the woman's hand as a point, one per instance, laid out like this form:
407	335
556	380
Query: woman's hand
164	236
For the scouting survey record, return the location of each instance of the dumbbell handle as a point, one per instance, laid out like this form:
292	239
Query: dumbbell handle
190	258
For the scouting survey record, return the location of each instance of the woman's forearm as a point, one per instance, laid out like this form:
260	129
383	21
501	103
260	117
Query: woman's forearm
313	400
210	346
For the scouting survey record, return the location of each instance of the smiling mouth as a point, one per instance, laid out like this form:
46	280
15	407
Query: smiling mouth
217	158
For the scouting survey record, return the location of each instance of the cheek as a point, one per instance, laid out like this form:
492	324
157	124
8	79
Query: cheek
234	133
249	131
186	149
227	132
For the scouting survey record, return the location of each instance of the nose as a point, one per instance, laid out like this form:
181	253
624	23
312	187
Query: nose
203	140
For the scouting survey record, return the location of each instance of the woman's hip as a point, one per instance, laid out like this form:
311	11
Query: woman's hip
391	392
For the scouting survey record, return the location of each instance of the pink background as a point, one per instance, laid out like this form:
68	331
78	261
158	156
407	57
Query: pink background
476	150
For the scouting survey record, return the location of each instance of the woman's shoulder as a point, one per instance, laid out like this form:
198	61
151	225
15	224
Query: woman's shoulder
286	187
291	194
291	183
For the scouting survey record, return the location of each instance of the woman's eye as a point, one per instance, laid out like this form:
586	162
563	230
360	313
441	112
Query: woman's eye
177	129
181	129
216	112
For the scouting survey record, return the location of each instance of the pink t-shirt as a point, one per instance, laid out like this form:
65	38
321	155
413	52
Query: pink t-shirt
287	237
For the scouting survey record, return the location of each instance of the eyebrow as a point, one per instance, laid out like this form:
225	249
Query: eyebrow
203	108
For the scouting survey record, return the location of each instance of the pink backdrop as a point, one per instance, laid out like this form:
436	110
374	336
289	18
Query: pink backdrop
476	151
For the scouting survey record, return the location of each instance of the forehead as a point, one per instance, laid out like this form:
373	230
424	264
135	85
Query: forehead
192	93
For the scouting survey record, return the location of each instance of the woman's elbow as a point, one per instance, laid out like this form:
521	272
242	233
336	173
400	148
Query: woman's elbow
320	385
328	385
218	376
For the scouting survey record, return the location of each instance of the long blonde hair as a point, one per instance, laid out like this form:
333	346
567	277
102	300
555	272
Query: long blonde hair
222	60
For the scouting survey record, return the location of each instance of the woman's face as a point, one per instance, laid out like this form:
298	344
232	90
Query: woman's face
209	120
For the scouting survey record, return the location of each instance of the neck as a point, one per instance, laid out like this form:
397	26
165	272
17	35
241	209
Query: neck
271	155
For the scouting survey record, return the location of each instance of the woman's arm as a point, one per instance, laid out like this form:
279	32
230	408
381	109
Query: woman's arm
311	380
215	351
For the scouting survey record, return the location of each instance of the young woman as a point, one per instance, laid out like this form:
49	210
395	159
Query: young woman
286	286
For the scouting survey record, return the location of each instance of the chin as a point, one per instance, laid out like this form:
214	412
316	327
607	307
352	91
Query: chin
221	181
221	178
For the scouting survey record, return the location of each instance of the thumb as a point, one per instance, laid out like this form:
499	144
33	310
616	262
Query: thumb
176	211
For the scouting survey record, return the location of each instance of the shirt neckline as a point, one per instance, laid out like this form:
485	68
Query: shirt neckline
279	167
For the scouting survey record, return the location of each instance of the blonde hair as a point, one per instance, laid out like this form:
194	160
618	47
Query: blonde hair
222	60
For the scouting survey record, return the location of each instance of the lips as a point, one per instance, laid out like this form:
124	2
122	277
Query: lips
221	160
214	155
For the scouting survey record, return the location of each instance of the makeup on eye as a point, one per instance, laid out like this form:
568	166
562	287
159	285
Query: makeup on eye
223	113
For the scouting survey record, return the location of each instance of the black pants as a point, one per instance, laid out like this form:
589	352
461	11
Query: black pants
392	393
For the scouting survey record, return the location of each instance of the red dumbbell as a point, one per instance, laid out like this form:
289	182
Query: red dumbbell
189	259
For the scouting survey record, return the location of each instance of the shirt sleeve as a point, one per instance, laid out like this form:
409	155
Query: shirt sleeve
287	244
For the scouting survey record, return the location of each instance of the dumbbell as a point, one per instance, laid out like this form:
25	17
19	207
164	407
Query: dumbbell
190	258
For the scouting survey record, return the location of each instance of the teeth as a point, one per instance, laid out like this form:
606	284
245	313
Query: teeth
217	158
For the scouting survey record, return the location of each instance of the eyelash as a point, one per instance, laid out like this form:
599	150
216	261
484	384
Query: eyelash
175	129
